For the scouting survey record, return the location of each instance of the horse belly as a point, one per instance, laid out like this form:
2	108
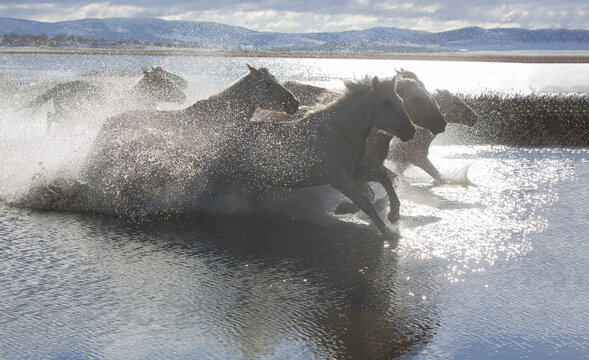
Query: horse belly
285	169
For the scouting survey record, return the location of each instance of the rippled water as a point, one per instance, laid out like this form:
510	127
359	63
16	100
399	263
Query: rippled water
496	269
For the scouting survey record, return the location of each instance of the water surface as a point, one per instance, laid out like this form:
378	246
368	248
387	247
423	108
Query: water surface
496	269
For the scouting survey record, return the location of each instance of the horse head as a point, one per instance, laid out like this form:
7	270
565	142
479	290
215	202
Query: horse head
454	108
420	105
159	71
158	85
387	110
268	93
409	75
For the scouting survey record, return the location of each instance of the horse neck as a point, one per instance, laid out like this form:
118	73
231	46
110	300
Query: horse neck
231	104
140	94
423	136
352	121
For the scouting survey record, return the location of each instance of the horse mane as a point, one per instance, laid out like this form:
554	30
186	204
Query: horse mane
408	86
357	87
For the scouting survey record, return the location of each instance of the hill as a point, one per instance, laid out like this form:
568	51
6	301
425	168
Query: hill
220	36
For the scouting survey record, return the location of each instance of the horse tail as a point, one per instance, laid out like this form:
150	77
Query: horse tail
67	90
43	98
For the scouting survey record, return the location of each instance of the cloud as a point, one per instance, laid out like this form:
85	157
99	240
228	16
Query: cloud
104	10
348	22
321	15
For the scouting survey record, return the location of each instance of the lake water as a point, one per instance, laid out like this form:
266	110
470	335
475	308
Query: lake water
497	269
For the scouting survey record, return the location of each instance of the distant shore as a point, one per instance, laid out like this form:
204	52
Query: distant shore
516	56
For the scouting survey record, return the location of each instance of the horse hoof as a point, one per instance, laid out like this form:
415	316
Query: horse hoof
391	237
394	217
439	182
346	208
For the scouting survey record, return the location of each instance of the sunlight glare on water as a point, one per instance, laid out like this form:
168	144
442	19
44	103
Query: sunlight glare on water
491	266
475	226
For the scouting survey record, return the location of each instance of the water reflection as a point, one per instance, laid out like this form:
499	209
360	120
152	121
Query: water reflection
313	290
229	287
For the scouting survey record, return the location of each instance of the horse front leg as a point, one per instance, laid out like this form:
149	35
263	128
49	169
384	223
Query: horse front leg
354	191
386	178
426	165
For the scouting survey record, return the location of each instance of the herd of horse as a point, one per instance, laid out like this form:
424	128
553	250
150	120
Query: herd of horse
263	134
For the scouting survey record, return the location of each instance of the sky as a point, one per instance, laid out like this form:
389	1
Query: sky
320	15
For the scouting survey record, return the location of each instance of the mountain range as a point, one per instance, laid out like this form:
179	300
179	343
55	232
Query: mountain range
220	36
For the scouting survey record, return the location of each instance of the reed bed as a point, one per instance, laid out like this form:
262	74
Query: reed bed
546	120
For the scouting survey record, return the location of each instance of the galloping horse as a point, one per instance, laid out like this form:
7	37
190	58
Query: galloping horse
155	86
321	148
416	152
419	105
196	129
236	104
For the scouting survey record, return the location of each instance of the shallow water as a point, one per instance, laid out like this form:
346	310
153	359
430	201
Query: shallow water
494	269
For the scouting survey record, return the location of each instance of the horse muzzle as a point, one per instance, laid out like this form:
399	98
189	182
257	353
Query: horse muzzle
439	129
407	137
291	106
406	134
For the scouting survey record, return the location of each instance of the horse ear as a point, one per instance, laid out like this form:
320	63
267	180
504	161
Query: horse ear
253	70
398	71
375	82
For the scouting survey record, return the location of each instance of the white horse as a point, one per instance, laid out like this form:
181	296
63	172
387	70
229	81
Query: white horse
414	152
69	98
321	148
419	105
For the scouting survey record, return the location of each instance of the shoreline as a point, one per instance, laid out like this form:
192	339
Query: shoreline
516	56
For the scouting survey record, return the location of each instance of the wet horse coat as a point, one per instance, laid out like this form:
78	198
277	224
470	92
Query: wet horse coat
421	108
195	131
321	148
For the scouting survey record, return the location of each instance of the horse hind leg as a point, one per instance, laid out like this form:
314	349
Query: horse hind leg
348	207
50	121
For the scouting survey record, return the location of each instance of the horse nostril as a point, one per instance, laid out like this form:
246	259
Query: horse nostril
291	105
